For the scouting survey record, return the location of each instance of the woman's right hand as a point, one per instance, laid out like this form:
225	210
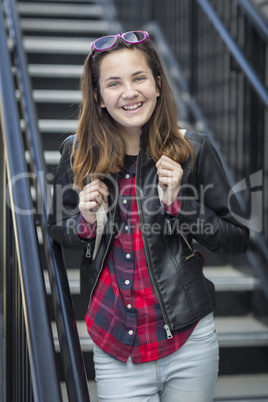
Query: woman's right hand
91	198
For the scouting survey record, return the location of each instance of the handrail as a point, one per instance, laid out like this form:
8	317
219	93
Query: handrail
254	17
40	345
235	50
73	364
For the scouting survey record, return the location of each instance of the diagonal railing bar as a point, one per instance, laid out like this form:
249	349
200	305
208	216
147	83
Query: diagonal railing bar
254	17
44	375
235	50
75	375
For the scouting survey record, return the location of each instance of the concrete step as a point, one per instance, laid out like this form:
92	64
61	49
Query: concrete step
60	9
69	26
243	388
232	332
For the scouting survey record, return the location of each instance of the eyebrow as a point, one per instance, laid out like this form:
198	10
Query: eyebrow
118	78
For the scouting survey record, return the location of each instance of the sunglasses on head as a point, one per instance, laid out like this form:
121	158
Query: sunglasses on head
106	42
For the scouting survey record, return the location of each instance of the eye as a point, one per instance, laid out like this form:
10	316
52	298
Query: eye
139	79
113	84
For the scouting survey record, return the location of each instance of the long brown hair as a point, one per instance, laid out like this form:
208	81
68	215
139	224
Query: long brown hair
99	147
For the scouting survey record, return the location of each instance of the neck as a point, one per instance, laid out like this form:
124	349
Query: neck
132	143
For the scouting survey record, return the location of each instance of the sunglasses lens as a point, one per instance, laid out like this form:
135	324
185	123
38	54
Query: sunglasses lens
133	37
104	43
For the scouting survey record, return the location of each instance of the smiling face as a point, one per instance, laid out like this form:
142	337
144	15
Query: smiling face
128	90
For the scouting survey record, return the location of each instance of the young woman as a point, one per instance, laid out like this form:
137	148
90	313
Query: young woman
133	191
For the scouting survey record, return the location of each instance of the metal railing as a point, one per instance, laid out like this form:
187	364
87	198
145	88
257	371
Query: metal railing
71	355
216	53
29	350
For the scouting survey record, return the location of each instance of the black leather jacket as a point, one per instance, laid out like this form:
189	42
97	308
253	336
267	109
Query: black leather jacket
205	215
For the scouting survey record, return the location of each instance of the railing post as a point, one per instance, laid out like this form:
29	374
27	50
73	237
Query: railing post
3	262
193	46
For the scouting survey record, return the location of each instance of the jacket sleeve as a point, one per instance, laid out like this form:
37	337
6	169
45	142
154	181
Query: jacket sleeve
63	222
208	209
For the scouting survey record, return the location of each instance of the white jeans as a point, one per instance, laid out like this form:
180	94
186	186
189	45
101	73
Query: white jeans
187	375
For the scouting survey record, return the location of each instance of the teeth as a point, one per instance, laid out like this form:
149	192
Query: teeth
132	107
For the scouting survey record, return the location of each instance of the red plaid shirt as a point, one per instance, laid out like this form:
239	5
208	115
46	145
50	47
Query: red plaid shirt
124	316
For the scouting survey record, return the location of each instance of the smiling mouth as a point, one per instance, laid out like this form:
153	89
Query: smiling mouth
133	107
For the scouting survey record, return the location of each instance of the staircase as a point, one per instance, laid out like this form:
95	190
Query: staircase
57	36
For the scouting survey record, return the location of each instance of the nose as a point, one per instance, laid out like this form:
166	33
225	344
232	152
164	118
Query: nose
129	92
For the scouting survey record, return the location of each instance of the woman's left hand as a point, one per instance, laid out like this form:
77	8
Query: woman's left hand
169	175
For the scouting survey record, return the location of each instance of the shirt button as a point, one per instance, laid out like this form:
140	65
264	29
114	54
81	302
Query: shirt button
130	332
129	306
126	227
127	176
124	201
127	281
128	255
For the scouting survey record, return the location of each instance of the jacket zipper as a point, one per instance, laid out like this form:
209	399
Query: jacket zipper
166	326
107	249
88	250
189	246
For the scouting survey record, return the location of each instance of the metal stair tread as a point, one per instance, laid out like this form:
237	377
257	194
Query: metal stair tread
241	331
92	391
74	25
55	96
73	279
227	278
55	126
60	9
85	340
242	386
226	274
55	70
232	331
59	45
232	387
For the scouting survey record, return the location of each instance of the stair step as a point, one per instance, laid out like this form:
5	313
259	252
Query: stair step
85	340
58	45
56	71
61	10
54	96
92	392
70	26
55	126
232	332
241	331
227	278
243	388
73	278
239	282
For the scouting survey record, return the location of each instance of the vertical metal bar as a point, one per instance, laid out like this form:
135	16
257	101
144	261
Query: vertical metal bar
3	261
8	281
